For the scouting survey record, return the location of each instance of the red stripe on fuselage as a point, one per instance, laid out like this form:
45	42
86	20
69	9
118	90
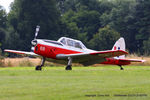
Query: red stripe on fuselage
51	51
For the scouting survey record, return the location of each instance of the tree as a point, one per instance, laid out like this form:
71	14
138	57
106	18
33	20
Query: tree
104	39
2	35
142	23
26	14
3	20
3	17
86	22
68	27
76	5
146	46
122	19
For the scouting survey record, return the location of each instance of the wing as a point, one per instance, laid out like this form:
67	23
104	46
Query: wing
21	52
92	58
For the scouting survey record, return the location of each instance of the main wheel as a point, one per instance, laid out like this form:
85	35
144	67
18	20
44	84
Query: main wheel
121	68
38	68
68	67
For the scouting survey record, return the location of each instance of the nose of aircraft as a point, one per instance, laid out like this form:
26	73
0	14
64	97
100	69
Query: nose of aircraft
34	42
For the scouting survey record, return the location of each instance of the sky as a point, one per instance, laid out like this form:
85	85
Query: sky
5	4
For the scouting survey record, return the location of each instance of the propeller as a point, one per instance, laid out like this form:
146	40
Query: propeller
34	42
37	31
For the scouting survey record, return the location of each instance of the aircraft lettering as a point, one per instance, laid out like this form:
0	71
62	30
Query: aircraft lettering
42	48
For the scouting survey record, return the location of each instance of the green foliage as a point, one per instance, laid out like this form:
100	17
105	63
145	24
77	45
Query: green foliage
2	35
2	64
12	38
104	39
3	18
26	14
77	5
121	19
146	47
79	19
142	23
68	27
82	22
3	26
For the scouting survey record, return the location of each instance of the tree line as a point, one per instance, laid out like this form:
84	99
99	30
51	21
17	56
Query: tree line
97	23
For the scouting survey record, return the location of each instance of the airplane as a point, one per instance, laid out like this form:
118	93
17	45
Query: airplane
68	51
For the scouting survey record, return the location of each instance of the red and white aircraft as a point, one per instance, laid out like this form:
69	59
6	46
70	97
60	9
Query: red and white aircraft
67	50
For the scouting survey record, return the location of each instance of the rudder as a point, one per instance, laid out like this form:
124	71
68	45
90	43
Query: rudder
119	45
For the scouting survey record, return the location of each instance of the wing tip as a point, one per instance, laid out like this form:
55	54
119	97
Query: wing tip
143	61
20	52
13	51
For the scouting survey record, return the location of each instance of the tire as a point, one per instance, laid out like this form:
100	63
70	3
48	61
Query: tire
38	68
68	67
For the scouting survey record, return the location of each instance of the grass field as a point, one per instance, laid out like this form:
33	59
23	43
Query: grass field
82	83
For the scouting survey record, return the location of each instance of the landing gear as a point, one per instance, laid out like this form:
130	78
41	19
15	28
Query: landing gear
121	68
39	67
68	67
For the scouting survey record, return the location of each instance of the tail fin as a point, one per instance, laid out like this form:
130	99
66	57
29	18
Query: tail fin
119	45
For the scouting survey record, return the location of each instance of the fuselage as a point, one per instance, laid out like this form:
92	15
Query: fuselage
52	48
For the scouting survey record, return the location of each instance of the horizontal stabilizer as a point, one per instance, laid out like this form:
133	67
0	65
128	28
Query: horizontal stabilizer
132	60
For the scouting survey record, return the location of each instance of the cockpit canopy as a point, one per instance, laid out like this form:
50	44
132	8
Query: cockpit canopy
71	42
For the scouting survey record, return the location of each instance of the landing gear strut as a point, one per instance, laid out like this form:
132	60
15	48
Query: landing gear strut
39	67
121	68
68	67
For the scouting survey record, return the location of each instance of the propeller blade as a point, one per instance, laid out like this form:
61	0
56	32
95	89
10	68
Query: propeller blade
37	31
